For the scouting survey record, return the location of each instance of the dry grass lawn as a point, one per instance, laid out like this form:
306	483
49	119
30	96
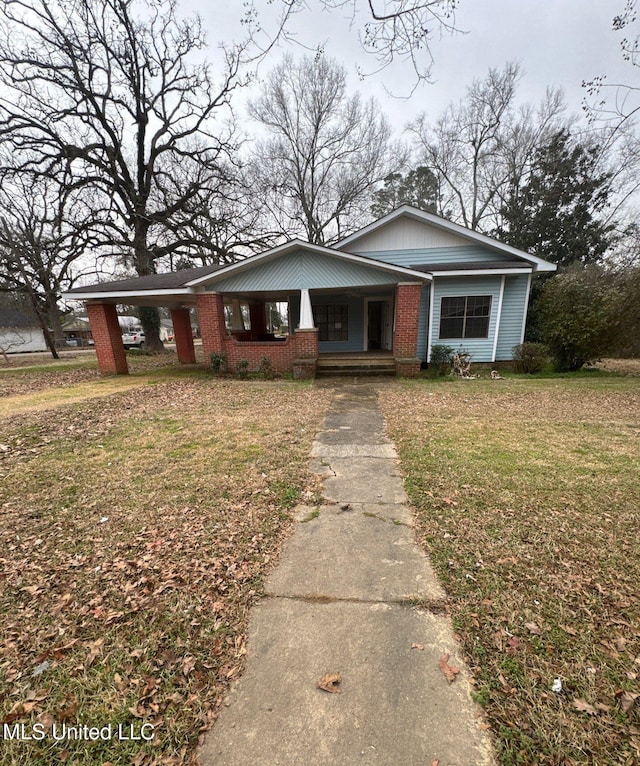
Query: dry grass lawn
527	494
135	532
139	515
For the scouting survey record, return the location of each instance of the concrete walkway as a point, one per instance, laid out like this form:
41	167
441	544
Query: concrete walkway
343	601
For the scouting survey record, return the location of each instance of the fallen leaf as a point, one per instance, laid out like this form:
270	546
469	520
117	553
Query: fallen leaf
95	648
628	700
330	683
450	672
569	630
533	628
435	762
513	644
418	646
69	710
584	707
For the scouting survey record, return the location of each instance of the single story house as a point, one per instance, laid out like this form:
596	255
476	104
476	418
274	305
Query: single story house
397	287
77	329
19	333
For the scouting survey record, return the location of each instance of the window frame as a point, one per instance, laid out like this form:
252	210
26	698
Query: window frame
468	317
326	318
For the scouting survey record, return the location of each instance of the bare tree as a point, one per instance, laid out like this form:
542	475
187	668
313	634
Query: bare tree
327	153
114	94
626	102
389	31
480	149
39	249
612	110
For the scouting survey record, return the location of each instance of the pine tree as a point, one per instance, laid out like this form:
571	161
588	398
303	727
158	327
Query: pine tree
556	215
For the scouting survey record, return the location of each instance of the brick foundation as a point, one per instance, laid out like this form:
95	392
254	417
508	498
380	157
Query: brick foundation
407	368
107	336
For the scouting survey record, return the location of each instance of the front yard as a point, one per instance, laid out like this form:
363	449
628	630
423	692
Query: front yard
139	515
135	530
528	501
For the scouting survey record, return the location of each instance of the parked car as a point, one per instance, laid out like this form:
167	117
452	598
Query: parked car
133	339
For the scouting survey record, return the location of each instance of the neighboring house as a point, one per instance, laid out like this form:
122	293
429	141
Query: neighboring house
399	286
77	329
19	333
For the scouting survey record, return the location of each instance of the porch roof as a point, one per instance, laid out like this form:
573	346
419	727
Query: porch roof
274	270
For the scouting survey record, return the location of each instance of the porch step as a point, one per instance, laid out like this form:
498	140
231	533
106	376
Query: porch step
355	366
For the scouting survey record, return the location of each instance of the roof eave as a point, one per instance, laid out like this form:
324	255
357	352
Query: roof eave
90	295
480	272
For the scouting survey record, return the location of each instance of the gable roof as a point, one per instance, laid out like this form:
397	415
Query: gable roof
430	219
294	245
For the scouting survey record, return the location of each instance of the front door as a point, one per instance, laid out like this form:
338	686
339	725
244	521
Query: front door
379	324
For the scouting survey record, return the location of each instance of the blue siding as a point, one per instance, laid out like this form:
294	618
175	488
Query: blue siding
300	270
513	314
481	349
409	258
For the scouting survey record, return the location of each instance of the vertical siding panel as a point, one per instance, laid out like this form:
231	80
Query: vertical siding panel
513	315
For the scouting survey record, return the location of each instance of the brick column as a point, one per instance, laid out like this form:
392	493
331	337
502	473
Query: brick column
306	343
405	335
211	321
181	320
107	337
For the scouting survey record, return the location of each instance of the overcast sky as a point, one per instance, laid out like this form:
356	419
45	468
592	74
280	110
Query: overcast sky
557	42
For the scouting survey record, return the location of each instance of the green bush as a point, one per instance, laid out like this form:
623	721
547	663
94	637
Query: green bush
242	369
441	360
265	368
578	308
218	361
529	358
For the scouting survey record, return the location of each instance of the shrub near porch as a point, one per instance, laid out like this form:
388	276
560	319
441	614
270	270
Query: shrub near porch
527	500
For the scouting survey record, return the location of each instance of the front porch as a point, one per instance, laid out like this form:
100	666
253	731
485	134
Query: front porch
325	301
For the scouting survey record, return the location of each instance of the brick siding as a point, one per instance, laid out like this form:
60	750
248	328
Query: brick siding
405	336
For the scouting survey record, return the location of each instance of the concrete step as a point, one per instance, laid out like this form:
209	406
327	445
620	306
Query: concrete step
355	365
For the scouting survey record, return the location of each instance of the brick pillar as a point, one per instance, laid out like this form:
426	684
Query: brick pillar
183	336
211	321
405	335
107	337
258	319
306	343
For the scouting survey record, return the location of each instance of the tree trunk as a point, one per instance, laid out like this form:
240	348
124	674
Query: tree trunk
53	314
42	321
149	315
